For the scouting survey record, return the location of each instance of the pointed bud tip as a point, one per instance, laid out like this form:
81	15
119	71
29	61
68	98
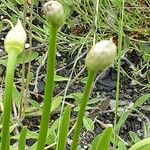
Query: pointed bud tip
101	55
54	12
15	39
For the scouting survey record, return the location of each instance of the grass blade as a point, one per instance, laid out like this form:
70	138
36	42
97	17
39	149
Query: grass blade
104	140
139	102
141	145
64	129
22	139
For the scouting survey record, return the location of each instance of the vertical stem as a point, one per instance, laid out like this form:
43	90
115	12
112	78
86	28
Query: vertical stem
85	98
48	95
23	66
96	19
29	64
120	34
5	142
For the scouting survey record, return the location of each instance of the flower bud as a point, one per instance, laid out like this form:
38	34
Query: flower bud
15	39
101	55
54	13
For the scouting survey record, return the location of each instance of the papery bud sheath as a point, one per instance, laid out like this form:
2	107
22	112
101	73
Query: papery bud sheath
15	39
101	55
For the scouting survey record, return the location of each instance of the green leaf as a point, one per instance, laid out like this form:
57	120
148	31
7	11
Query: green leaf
30	77
84	80
93	101
51	138
121	146
22	139
139	102
122	119
145	48
141	145
88	124
30	134
77	96
146	129
56	102
104	139
13	1
94	142
55	124
60	78
64	129
16	96
21	1
36	109
125	115
67	4
34	104
78	147
134	137
33	147
27	57
126	41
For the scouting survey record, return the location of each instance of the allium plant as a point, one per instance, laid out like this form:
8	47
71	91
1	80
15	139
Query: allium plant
55	17
98	58
14	45
101	55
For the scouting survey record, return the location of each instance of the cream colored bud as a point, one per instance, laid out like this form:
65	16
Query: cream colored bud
54	13
15	39
101	55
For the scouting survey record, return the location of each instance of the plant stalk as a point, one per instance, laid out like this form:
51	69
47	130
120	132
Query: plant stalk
5	141
23	68
85	98
120	35
48	95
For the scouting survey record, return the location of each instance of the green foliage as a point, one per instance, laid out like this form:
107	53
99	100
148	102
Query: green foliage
28	57
21	1
21	59
134	137
121	146
88	124
102	141
127	112
22	139
141	145
67	4
64	127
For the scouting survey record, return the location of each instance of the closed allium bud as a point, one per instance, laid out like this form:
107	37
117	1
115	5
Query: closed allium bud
54	13
101	55
15	39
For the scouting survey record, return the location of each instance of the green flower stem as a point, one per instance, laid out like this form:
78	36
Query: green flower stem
85	98
5	141
48	95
